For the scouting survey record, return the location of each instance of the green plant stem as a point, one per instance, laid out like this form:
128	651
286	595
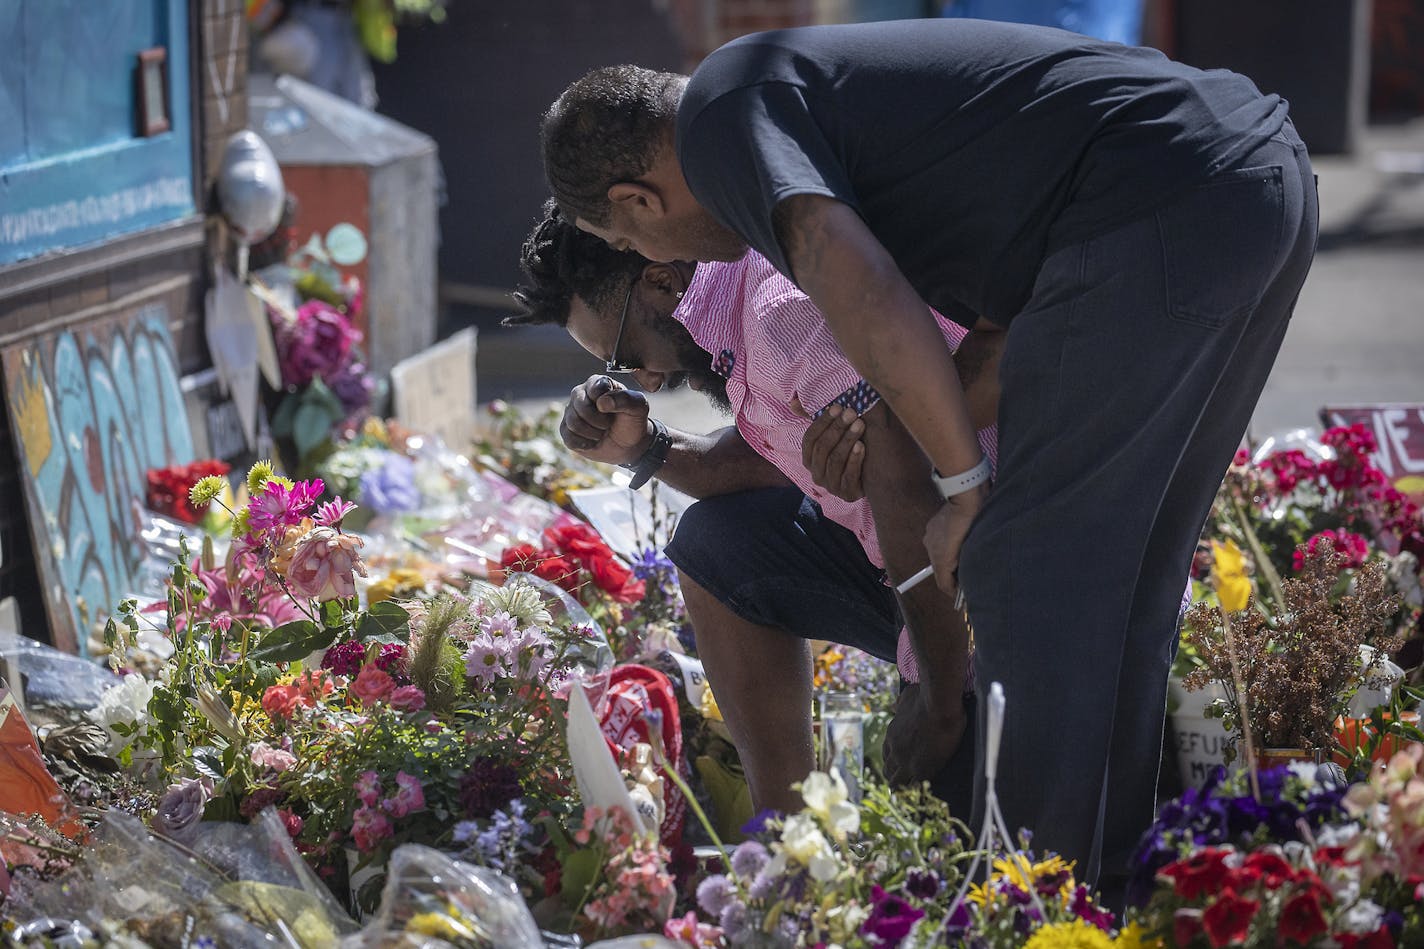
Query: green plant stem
702	818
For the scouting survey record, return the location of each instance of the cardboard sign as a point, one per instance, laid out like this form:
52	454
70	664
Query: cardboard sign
434	390
1399	430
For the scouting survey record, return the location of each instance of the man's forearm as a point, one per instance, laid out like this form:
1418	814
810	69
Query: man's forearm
881	324
902	500
720	462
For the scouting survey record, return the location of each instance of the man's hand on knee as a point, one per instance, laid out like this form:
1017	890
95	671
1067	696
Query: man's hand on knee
921	739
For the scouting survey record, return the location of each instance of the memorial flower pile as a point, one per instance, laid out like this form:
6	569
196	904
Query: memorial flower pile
364	728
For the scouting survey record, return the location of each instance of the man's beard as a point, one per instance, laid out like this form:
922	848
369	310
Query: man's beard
708	383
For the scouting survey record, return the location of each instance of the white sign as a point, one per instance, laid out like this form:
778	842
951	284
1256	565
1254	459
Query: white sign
434	390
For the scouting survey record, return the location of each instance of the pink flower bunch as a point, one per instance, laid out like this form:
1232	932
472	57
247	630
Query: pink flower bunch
273	759
1391	805
238	590
317	344
1290	469
371	824
1354	548
277	507
635	887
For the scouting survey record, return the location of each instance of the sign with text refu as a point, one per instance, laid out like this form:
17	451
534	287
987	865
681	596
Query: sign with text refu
1399	431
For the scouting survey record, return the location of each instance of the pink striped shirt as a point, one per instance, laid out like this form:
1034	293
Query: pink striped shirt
775	350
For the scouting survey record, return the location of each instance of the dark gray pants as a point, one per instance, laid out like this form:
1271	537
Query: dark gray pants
1128	381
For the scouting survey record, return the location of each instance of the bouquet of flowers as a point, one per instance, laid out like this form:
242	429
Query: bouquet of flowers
283	692
886	873
1307	862
1293	673
326	383
1281	508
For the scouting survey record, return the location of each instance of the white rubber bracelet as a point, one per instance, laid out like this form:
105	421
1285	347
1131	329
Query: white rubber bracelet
958	484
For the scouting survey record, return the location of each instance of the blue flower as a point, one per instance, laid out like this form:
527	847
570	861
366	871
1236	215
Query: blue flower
391	487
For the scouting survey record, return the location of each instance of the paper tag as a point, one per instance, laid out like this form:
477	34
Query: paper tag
694	679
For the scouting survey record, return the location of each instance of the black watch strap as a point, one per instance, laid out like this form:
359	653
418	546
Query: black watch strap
651	460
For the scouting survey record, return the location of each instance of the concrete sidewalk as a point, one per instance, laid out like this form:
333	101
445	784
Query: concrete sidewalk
1357	336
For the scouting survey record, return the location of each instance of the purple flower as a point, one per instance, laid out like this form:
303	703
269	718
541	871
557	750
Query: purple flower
391	487
715	894
488	659
749	858
923	884
488	786
891	918
346	659
314	345
353	386
500	844
181	809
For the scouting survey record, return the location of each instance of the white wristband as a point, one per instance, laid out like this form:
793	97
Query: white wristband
958	484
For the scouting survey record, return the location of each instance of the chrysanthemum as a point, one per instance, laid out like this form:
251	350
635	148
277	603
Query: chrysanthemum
1074	935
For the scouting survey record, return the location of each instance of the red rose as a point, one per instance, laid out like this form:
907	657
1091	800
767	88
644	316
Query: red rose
617	580
1228	920
559	571
1201	873
1302	919
1270	867
518	555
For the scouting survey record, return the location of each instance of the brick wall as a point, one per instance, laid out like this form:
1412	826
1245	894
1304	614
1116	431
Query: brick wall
705	25
169	264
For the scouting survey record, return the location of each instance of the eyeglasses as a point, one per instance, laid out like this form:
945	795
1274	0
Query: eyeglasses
613	364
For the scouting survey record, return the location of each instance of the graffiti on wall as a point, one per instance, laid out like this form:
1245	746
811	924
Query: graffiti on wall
92	410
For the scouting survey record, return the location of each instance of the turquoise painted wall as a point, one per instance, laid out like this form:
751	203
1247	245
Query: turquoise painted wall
72	171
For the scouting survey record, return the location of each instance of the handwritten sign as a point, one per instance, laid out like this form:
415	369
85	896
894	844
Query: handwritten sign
1399	431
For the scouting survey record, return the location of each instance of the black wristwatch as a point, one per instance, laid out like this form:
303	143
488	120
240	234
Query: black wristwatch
651	460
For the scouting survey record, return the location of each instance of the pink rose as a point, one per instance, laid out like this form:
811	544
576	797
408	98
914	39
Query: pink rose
324	563
368	828
368	788
276	759
408	698
410	796
371	686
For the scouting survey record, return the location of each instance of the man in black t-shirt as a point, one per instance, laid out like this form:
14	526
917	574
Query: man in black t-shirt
1139	228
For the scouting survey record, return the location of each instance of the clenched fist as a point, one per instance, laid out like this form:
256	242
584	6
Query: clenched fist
606	421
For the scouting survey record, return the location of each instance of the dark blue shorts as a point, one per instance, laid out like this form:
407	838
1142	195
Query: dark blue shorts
774	559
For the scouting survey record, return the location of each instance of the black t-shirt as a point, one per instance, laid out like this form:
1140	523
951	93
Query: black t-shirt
971	149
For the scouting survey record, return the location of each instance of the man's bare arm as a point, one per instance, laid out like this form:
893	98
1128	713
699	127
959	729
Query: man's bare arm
880	322
605	421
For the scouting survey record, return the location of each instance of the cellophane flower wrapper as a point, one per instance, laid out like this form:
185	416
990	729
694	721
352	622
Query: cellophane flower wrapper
238	886
431	899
